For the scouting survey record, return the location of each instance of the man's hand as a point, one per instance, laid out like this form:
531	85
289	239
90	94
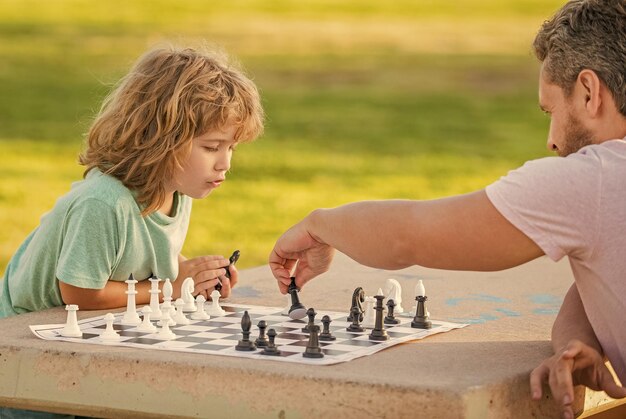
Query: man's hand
576	364
298	249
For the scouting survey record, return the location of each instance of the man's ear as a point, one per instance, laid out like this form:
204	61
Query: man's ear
589	86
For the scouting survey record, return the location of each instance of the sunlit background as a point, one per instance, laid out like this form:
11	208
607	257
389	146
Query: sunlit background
365	99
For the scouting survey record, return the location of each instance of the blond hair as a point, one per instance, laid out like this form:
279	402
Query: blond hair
144	129
586	34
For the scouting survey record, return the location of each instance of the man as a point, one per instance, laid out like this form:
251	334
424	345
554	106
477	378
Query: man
573	205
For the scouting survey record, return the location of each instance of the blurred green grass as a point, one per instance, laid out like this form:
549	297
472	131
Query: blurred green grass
364	99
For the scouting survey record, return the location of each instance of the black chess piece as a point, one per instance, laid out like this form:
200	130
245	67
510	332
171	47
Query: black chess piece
271	348
311	313
232	260
245	344
390	318
261	341
355	326
379	332
313	349
297	310
358	298
421	321
326	335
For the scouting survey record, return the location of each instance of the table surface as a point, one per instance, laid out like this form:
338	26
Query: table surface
480	371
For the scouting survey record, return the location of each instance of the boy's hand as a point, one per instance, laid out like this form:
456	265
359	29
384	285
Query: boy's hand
228	283
576	364
206	272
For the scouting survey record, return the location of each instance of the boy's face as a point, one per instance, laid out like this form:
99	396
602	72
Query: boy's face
207	164
567	132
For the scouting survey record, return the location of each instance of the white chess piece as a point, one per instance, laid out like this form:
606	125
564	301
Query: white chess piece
167	291
393	291
369	318
187	294
285	311
200	314
146	325
166	316
109	334
419	291
214	309
165	333
154	298
131	317
71	329
179	317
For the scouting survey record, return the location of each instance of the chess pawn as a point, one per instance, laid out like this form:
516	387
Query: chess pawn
311	313
261	341
109	334
200	313
313	349
326	335
390	318
146	325
271	348
214	309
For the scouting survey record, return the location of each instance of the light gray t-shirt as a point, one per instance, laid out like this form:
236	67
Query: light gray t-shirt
94	233
576	207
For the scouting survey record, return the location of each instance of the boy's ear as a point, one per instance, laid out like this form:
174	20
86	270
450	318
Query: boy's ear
589	85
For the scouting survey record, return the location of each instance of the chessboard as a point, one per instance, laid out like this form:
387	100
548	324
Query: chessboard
220	335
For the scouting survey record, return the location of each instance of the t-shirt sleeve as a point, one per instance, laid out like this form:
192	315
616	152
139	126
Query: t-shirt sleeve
89	245
554	201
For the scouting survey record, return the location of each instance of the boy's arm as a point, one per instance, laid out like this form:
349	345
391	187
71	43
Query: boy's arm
464	232
113	295
578	358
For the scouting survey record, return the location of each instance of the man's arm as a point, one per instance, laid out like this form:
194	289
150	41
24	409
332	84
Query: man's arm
578	358
464	232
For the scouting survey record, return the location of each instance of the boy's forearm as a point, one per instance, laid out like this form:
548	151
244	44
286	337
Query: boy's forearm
572	323
113	295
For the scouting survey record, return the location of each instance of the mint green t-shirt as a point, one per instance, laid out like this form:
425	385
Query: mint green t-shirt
94	233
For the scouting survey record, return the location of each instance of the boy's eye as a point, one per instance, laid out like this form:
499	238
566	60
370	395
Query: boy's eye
211	149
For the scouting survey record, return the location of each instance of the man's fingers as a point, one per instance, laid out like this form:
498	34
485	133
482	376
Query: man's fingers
561	381
537	377
226	287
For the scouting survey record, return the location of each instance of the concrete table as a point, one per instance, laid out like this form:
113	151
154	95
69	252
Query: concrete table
480	371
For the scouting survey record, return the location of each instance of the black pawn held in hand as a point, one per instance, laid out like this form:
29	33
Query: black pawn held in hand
261	341
390	318
379	332
421	321
311	313
245	344
297	310
313	349
271	348
326	335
